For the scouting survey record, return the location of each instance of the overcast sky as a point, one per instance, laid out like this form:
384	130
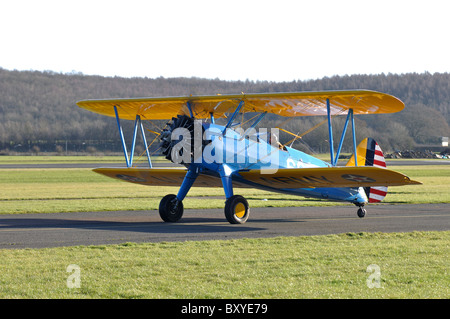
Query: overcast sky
276	40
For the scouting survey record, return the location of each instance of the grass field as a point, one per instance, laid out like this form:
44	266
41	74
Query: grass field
411	265
68	190
70	159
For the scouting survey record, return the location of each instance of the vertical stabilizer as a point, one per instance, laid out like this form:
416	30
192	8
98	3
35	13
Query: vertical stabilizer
368	153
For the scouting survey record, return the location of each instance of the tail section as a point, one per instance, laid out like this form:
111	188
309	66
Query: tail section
368	153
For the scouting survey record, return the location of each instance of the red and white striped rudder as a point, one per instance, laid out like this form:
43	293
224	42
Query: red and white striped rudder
369	153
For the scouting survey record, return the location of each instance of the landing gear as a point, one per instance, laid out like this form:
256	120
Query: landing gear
170	208
236	209
361	212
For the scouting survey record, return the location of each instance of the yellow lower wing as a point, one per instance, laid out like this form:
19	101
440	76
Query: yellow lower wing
327	177
160	176
154	176
282	178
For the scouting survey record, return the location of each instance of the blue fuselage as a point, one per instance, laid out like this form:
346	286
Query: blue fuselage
233	151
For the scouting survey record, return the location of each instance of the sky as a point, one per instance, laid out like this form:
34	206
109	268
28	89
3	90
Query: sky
261	40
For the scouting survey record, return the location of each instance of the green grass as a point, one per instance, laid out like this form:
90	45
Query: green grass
72	190
412	265
10	160
435	188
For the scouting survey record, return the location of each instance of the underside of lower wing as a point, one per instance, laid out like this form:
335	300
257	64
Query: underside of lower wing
327	177
160	176
155	176
279	179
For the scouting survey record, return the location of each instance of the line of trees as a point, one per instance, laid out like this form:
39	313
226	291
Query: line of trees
38	109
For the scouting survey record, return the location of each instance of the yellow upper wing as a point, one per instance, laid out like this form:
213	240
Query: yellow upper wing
284	104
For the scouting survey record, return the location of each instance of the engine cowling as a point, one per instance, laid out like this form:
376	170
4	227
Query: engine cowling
172	149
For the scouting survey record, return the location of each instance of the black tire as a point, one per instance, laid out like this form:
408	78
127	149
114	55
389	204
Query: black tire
236	209
361	212
170	208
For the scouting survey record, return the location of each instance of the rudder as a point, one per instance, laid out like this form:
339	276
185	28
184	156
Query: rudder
369	153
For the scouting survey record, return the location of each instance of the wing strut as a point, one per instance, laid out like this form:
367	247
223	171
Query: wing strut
335	158
330	132
137	123
354	136
230	121
188	104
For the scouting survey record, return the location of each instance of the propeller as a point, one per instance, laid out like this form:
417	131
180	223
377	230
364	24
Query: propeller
167	144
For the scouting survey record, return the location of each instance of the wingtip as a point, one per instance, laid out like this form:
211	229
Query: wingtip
412	182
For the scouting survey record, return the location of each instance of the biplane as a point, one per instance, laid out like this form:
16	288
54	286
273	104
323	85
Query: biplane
234	154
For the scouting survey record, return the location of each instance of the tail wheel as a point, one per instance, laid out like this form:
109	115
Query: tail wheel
236	209
170	208
361	212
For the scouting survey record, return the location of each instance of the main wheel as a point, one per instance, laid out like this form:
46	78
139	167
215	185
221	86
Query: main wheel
170	208
236	209
361	212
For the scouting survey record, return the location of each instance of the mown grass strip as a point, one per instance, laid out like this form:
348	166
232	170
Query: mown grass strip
39	159
411	265
70	190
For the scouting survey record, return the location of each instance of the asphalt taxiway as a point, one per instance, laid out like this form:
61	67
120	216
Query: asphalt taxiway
99	228
390	163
